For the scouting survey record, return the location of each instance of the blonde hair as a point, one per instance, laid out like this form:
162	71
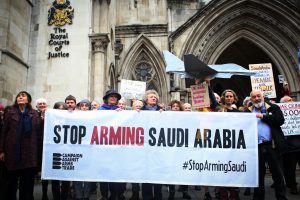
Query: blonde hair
234	95
137	102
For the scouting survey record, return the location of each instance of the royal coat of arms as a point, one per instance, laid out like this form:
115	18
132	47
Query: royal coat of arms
60	13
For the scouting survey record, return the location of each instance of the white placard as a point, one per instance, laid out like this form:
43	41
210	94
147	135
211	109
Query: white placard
291	113
132	89
263	80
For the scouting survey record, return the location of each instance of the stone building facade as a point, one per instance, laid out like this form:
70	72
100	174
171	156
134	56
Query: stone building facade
110	40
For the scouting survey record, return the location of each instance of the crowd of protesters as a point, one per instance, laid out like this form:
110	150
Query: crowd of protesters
21	146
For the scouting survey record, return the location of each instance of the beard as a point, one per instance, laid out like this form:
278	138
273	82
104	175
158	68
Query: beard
258	105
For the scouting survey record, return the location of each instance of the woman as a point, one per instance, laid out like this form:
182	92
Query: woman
60	189
82	189
117	190
136	105
177	106
151	100
228	100
20	139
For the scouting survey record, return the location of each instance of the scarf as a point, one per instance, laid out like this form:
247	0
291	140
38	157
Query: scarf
24	129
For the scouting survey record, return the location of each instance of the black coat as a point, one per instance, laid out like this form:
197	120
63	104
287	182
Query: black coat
274	118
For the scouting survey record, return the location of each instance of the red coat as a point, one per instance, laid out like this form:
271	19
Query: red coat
29	144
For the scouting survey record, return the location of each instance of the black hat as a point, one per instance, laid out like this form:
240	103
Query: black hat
111	92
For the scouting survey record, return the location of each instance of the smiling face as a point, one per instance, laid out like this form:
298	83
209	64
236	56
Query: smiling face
257	98
41	106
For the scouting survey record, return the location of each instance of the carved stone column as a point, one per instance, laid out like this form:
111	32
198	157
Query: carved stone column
99	63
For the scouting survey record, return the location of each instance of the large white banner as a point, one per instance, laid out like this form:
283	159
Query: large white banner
190	148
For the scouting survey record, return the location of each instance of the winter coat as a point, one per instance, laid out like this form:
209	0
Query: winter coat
28	143
274	118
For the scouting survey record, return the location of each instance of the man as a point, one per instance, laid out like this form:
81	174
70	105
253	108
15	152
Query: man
271	143
291	158
70	102
41	105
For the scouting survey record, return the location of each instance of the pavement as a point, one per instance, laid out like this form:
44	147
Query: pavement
195	194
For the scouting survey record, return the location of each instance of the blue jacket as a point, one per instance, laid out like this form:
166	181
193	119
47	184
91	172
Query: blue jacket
108	107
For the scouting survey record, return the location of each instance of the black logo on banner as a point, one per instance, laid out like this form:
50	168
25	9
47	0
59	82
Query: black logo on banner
56	161
65	161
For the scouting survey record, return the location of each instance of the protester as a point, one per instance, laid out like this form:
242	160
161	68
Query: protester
82	189
137	105
122	104
270	135
151	101
95	105
228	100
177	106
41	105
187	107
291	158
70	102
19	147
117	190
60	189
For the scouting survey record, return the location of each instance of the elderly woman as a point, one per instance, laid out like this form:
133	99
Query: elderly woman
151	99
20	139
110	100
117	190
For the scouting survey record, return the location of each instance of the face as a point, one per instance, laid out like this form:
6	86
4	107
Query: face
42	106
175	107
95	105
84	106
70	104
228	98
151	99
22	99
121	105
257	98
112	100
187	108
61	107
137	106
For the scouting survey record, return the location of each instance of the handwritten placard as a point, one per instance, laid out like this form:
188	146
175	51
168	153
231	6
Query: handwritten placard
291	112
200	96
263	80
132	89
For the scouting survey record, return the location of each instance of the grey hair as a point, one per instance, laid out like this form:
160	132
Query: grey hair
145	97
41	100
